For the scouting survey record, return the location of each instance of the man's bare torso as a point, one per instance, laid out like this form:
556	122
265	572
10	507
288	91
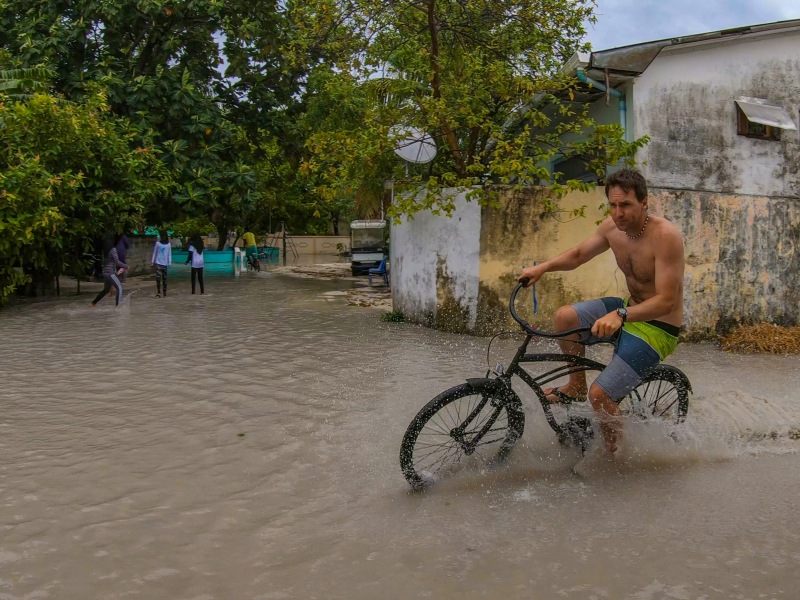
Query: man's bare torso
636	258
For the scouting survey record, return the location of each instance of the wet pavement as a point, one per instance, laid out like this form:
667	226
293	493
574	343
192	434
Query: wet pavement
244	444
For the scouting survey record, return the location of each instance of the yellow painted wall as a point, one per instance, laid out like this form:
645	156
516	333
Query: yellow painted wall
517	232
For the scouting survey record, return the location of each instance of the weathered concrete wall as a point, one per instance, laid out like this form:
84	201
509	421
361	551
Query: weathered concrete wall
457	274
518	232
140	253
685	102
434	266
309	244
741	264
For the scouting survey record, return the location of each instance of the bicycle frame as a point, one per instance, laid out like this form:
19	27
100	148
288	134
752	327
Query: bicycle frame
571	364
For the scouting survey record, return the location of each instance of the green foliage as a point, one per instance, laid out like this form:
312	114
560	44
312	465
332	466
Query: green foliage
393	316
186	228
20	83
483	79
68	173
299	127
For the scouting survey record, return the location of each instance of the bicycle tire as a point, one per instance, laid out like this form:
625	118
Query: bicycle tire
664	394
430	449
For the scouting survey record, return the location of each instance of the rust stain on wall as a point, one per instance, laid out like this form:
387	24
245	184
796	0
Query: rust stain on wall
741	262
451	314
519	231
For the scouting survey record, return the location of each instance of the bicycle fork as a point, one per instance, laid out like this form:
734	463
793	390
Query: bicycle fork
500	395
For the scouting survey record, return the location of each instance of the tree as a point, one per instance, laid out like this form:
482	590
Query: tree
160	62
68	173
481	76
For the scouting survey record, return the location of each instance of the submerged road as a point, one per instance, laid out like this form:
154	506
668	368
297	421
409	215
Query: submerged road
244	445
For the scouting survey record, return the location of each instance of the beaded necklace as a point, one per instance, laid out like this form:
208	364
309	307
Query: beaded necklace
633	237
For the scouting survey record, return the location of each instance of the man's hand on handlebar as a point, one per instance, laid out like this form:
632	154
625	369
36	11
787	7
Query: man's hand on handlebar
531	274
607	325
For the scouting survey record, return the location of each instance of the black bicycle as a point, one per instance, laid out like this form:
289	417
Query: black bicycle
480	421
253	264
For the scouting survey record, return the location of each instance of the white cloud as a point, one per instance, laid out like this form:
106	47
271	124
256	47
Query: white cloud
624	22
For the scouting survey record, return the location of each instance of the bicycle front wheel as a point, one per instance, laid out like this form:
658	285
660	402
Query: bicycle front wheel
459	428
664	394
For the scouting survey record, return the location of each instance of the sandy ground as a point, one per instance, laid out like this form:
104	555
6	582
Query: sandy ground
377	296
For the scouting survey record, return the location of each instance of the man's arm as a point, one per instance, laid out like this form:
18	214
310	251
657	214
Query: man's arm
573	258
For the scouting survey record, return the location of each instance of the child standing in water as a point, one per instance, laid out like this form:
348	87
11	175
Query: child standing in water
112	268
197	260
162	258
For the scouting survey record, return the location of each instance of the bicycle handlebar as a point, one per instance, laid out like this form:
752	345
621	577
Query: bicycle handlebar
527	327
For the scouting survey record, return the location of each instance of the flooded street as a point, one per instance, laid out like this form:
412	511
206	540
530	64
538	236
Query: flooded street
244	444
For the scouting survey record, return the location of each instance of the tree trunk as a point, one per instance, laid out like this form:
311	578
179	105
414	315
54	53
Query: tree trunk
42	282
222	235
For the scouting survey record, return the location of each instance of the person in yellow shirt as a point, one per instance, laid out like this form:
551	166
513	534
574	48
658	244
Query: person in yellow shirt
249	241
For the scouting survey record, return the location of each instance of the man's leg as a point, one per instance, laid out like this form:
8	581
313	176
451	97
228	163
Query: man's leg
607	411
633	360
567	318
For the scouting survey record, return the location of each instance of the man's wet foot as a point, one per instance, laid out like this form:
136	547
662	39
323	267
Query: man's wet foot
564	395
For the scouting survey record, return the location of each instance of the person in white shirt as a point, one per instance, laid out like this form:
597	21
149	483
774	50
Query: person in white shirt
198	262
161	259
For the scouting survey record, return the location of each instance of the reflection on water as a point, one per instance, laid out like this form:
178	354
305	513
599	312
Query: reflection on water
243	444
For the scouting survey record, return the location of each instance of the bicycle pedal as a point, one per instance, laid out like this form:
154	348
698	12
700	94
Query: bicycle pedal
579	431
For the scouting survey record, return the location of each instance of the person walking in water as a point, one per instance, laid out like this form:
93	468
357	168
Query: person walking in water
122	245
112	268
198	262
162	258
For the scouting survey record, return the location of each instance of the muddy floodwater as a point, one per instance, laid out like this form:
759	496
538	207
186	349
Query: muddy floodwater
244	445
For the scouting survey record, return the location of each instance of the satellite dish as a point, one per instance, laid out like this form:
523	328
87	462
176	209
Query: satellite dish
413	145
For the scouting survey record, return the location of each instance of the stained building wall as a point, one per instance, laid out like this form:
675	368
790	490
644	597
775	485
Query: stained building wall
434	267
685	102
456	274
741	260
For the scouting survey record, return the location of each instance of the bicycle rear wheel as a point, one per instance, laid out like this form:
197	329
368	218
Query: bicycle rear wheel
664	394
461	427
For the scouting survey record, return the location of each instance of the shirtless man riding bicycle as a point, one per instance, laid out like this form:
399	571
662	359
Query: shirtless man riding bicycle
649	251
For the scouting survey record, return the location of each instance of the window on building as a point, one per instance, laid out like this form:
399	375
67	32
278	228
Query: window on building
573	168
760	118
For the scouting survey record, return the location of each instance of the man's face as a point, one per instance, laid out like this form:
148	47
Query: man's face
627	212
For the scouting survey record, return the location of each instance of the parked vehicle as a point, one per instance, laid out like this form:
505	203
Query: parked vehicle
367	245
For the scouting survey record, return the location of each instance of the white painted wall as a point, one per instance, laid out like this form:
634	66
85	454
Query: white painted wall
685	102
419	245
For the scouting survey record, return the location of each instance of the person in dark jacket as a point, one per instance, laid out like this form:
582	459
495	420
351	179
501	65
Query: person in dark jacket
112	268
122	245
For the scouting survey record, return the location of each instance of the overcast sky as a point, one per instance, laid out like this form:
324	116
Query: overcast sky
624	22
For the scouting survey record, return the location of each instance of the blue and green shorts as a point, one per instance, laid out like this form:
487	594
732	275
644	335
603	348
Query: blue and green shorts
641	346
